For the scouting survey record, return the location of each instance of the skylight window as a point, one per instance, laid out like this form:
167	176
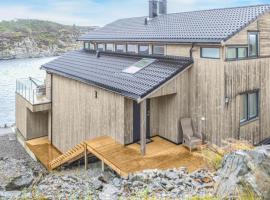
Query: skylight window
139	65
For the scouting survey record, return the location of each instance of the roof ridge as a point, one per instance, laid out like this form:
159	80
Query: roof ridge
225	8
194	11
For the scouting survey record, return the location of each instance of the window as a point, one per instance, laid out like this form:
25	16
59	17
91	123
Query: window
158	50
143	49
109	47
210	53
92	46
86	45
132	48
101	47
139	65
120	48
253	44
234	53
249	107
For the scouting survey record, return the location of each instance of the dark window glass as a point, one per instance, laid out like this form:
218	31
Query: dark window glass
242	52
231	53
132	48
121	48
101	47
249	108
243	108
144	49
210	53
234	53
109	47
158	50
86	45
253	44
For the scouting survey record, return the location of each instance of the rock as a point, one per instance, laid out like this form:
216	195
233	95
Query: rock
97	184
20	182
245	168
117	182
109	193
10	194
171	175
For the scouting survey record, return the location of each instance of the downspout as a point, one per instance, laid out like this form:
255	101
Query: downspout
191	50
51	108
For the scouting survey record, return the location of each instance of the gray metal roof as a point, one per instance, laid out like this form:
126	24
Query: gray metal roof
197	26
106	71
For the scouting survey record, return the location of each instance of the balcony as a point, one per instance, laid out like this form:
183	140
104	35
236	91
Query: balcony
35	94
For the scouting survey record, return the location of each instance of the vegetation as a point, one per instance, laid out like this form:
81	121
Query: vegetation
29	37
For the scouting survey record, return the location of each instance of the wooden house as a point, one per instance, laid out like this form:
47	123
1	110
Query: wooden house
136	78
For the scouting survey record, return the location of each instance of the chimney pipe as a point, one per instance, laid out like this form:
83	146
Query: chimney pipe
162	7
157	7
153	8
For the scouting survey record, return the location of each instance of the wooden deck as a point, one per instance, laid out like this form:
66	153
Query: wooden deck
160	154
43	150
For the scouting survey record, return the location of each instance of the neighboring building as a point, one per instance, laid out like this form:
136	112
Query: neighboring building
150	72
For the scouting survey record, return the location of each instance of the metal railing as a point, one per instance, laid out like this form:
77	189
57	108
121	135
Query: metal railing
32	89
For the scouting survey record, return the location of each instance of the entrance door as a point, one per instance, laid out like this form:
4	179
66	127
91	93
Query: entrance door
137	120
148	118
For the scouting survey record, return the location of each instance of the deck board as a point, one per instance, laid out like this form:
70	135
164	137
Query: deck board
43	150
160	154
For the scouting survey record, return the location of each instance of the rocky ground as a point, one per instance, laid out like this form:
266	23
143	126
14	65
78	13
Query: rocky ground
22	178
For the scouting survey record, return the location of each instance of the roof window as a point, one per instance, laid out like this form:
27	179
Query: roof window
139	65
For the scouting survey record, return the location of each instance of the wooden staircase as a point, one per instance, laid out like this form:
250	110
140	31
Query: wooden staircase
73	154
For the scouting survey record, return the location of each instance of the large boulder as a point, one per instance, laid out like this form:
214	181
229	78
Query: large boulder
243	170
15	174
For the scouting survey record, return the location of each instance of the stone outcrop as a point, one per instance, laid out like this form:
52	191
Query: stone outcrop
36	38
243	170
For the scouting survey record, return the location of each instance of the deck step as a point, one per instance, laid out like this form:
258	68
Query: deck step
75	153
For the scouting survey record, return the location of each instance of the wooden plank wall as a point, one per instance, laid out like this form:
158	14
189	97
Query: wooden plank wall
30	124
264	27
166	111
78	115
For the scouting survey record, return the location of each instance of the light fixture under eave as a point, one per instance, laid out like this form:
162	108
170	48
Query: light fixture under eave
139	65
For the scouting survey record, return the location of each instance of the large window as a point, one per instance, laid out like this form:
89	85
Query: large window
234	53
132	48
109	47
143	49
249	106
253	44
158	49
92	46
101	47
210	53
120	48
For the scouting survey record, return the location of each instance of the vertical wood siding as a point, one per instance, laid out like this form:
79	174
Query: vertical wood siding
78	115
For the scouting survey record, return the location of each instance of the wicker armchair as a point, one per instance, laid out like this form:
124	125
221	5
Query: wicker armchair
190	139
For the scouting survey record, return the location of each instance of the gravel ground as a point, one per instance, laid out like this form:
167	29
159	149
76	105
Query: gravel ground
10	148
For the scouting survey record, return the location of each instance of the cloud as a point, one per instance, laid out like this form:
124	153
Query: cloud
100	12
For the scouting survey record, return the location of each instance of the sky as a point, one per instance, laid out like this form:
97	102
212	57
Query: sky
101	12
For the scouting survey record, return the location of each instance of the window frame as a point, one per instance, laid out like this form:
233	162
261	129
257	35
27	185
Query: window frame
247	114
237	53
132	52
257	42
122	44
159	45
106	47
201	52
84	46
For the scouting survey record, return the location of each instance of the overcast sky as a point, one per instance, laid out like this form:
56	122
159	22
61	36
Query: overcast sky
101	12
